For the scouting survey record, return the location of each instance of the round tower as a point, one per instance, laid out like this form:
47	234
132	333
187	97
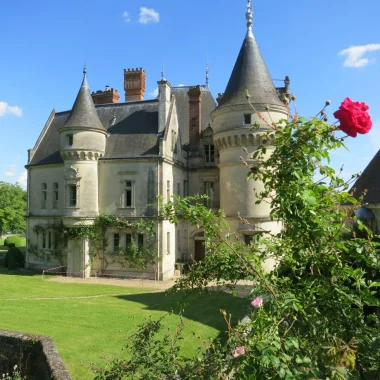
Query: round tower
250	97
83	141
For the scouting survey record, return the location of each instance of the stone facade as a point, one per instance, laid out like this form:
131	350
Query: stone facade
181	143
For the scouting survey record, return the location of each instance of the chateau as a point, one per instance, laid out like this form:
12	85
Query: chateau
109	157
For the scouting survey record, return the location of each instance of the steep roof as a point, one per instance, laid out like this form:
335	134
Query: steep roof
369	181
83	113
250	74
132	132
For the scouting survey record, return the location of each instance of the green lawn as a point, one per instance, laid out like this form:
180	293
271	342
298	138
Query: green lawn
87	330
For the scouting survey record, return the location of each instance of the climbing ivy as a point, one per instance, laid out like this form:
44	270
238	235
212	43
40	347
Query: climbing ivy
133	257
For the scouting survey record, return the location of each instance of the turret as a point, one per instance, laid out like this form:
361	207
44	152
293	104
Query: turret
83	140
250	82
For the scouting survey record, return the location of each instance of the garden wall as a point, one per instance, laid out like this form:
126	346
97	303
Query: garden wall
36	356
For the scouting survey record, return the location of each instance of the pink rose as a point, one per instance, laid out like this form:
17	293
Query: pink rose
239	351
257	302
353	117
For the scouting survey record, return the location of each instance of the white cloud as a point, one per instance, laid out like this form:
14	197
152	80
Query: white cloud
23	179
181	85
374	135
148	15
154	93
5	108
354	55
11	172
126	17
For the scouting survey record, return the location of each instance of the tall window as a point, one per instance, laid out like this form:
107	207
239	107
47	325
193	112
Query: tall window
116	242
43	195
50	239
185	188
174	141
128	240
209	191
247	119
72	195
210	153
55	195
70	139
128	194
178	189
44	240
140	240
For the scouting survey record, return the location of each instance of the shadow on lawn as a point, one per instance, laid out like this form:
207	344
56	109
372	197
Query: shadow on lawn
202	307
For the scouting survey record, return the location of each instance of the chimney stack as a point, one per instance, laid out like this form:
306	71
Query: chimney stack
195	122
109	95
134	84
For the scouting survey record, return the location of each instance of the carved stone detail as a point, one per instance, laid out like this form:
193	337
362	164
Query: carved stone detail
80	155
238	140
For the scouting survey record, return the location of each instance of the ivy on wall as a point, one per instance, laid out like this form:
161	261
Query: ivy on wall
134	256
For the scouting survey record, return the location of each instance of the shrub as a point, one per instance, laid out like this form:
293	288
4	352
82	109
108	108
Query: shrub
16	240
14	258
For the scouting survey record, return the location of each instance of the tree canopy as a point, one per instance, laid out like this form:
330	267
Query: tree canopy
12	208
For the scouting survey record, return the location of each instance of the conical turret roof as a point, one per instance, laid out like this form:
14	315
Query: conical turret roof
83	113
250	74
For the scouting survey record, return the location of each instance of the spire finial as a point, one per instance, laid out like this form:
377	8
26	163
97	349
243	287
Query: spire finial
249	17
207	71
163	69
84	70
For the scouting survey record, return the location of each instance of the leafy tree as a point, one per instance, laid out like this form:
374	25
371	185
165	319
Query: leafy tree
12	208
316	315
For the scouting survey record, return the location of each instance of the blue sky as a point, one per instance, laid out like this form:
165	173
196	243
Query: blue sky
45	43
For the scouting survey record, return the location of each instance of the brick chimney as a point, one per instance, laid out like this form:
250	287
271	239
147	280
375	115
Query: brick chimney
109	95
134	84
195	120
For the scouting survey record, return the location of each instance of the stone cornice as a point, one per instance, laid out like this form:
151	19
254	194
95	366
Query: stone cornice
80	155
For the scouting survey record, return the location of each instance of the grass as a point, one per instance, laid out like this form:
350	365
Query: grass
87	329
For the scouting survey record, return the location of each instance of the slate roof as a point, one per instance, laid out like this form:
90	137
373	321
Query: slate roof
250	73
132	132
369	181
83	113
132	127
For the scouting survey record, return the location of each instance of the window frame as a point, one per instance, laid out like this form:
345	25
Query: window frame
129	187
247	119
43	195
209	153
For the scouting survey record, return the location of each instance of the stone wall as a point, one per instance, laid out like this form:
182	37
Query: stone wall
36	356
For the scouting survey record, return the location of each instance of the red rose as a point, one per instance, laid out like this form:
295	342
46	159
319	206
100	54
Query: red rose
353	117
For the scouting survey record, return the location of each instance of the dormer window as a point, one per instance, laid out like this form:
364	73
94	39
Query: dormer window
247	119
70	140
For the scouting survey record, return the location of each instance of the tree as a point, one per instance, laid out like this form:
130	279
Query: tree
12	208
307	319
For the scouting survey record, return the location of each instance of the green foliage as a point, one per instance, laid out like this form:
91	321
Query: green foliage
12	208
14	258
319	317
15	240
96	233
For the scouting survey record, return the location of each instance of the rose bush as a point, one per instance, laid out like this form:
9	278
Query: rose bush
317	316
353	117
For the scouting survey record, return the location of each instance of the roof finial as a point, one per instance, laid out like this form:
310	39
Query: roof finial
249	17
84	70
207	71
163	69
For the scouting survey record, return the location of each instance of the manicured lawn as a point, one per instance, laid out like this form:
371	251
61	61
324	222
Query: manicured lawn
86	330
